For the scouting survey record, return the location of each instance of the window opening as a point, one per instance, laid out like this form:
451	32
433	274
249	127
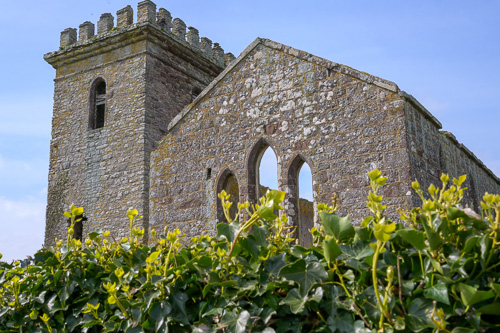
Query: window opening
194	93
306	202
228	183
267	175
301	199
97	115
78	227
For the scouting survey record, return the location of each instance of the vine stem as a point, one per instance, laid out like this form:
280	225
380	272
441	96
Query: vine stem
421	264
252	220
380	304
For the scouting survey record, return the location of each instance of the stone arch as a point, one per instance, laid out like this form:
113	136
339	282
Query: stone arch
253	162
227	181
297	214
97	103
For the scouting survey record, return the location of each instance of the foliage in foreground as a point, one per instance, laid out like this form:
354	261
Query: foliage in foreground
437	274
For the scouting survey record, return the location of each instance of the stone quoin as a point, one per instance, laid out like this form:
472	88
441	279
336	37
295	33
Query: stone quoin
151	115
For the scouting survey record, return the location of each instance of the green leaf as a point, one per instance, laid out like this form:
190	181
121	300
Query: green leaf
381	235
374	174
454	213
294	301
414	237
496	288
276	196
438	292
228	230
331	250
490	309
268	330
178	300
297	302
436	265
250	245
433	237
470	243
274	264
266	211
271	300
261	234
363	234
339	227
304	274
418	315
485	244
400	324
470	295
344	322
159	313
359	327
78	211
149	296
235	323
462	330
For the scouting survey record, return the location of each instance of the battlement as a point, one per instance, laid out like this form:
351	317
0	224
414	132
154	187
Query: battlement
146	14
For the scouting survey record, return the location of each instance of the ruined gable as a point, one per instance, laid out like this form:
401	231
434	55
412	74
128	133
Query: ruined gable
339	121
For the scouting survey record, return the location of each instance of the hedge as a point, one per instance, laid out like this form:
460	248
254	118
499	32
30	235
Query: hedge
436	272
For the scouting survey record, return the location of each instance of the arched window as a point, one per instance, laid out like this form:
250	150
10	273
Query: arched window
97	104
267	175
228	182
300	198
262	168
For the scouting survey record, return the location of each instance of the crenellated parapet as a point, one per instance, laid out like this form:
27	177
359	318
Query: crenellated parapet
147	13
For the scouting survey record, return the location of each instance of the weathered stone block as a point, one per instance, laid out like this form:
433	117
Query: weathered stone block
124	17
68	37
87	30
146	11
164	19
179	28
105	23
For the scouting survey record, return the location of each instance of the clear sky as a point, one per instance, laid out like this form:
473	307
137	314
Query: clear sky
446	53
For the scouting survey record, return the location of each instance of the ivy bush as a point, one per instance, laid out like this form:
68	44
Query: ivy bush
437	272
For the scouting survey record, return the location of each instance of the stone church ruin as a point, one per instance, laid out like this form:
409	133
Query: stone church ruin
148	114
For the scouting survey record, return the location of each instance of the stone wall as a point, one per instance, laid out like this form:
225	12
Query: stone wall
433	152
457	160
341	122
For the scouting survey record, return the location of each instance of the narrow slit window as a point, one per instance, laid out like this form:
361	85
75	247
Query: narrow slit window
301	199
305	202
194	93
267	176
98	111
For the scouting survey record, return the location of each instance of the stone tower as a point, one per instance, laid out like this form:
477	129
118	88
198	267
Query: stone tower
115	93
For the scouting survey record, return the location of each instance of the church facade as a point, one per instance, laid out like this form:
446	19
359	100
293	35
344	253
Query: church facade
151	116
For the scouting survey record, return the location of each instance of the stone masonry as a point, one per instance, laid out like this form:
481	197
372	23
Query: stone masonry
150	75
182	121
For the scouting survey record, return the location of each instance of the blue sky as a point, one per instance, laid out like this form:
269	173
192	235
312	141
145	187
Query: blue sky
445	53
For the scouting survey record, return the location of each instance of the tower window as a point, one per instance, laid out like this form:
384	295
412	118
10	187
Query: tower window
194	93
98	105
